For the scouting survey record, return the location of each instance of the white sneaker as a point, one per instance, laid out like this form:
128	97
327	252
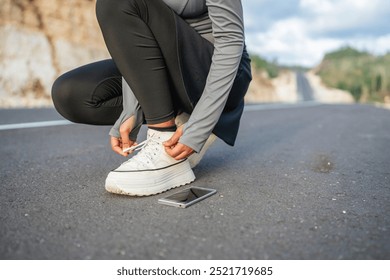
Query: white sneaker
195	158
151	171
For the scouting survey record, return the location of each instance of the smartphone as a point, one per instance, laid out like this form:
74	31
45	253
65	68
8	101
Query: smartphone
188	197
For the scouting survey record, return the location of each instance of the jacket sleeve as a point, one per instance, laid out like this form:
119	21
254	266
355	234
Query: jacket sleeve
228	33
130	108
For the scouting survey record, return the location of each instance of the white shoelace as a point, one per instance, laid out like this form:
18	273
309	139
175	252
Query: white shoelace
136	147
146	150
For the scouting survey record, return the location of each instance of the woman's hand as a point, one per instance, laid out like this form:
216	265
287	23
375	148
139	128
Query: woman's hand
124	142
175	149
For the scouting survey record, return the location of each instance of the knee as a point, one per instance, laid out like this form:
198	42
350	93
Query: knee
59	91
61	94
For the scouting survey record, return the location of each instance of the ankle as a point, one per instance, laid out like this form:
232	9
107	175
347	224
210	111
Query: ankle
164	126
165	129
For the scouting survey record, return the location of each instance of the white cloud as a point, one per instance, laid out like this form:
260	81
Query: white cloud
288	42
301	32
338	15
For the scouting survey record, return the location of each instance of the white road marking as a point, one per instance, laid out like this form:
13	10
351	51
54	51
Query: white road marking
33	124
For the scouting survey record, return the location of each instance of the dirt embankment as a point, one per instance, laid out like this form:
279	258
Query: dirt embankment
41	39
264	89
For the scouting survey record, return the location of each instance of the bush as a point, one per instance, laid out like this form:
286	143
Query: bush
272	69
364	75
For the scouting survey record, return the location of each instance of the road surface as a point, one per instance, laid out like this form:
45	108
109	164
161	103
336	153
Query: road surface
304	89
304	181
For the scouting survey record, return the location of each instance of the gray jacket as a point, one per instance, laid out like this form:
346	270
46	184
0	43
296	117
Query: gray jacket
225	29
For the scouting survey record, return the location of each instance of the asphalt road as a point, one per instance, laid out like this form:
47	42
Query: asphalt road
304	89
303	182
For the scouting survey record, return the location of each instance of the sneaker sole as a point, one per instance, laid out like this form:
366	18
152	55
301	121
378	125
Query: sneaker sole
150	182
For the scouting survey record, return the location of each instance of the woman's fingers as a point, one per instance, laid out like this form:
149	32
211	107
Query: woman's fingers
175	138
179	151
116	146
124	131
175	149
172	141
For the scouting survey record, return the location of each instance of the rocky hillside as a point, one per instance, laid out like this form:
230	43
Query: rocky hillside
41	39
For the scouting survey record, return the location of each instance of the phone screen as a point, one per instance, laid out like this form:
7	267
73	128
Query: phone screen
187	197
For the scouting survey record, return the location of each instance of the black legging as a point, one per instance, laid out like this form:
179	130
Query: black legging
140	36
91	94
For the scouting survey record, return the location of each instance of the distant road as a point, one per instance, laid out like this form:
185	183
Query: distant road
302	182
305	91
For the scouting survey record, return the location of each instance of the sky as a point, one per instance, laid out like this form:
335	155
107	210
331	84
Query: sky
300	32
